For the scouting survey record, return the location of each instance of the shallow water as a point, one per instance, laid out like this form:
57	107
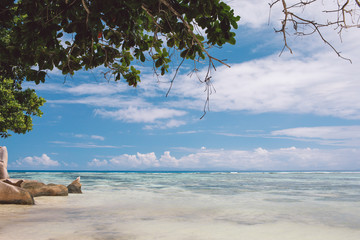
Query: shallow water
194	206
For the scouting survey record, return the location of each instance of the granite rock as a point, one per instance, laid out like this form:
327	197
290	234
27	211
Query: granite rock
10	194
3	163
38	189
75	186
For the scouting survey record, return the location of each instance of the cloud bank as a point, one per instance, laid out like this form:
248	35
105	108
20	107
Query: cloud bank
43	161
285	159
325	135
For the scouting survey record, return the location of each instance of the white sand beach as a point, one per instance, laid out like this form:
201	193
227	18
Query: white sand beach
152	207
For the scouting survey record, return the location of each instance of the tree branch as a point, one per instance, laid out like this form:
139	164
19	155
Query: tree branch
85	6
343	10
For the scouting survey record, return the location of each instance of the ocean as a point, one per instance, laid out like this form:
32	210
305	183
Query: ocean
190	206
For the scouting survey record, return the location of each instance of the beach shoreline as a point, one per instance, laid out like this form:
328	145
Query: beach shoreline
191	206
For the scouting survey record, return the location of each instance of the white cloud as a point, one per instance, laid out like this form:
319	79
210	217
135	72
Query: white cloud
127	107
313	80
172	123
145	115
330	135
98	163
166	160
189	132
83	145
43	160
285	159
148	159
276	159
257	13
100	89
254	13
96	137
125	161
328	132
139	160
323	85
108	101
80	135
96	89
143	161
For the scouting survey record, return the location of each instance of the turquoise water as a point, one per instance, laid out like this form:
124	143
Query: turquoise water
191	205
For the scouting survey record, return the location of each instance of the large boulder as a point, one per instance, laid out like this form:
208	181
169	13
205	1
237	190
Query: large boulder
10	194
75	186
38	189
3	163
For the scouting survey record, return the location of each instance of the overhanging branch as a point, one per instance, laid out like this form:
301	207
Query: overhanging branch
345	9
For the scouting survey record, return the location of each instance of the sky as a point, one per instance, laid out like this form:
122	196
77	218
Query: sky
298	111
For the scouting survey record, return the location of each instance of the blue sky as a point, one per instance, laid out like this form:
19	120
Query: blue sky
300	111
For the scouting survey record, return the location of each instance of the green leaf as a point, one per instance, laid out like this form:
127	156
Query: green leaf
158	62
232	41
142	57
184	53
171	42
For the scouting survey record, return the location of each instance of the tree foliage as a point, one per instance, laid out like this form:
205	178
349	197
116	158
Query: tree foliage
70	35
78	34
16	107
